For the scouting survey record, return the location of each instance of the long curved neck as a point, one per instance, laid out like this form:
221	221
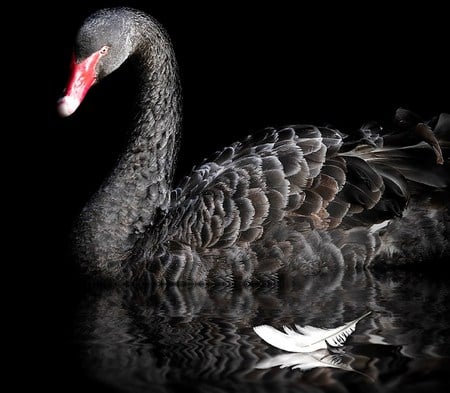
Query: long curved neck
126	203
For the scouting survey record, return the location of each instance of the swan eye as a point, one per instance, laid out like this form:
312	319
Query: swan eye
104	50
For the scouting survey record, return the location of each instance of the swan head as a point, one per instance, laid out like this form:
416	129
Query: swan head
102	44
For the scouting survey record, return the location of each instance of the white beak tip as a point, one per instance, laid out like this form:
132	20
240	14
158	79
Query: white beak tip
67	105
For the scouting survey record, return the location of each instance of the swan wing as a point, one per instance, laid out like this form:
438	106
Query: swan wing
252	185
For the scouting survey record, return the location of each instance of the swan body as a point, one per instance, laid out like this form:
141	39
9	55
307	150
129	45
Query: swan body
281	203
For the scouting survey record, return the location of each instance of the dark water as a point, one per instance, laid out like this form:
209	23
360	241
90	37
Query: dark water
201	339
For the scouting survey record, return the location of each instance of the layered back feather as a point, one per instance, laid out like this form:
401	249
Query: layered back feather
294	201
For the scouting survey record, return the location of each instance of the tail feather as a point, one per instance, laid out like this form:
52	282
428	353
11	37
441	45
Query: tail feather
412	161
442	128
380	170
416	163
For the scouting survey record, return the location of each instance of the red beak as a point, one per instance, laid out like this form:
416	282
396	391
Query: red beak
82	77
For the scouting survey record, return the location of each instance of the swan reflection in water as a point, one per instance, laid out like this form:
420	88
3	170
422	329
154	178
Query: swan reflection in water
201	338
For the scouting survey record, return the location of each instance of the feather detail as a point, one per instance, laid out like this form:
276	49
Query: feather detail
307	338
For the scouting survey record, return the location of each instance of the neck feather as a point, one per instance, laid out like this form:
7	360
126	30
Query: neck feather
127	202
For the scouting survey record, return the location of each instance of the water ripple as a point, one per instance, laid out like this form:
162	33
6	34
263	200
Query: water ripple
202	339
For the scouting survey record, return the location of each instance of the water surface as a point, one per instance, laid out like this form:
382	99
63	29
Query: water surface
201	339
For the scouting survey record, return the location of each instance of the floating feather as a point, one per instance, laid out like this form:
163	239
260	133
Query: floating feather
307	338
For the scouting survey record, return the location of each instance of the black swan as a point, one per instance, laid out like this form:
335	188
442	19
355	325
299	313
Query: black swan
280	204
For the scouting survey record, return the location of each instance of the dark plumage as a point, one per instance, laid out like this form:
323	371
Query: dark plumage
279	204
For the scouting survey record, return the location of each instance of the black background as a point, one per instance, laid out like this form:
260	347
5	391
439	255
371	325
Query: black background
242	68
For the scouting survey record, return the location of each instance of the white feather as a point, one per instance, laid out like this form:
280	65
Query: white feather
307	338
376	227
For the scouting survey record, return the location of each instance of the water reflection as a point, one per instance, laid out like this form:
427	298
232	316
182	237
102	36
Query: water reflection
310	360
202	339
